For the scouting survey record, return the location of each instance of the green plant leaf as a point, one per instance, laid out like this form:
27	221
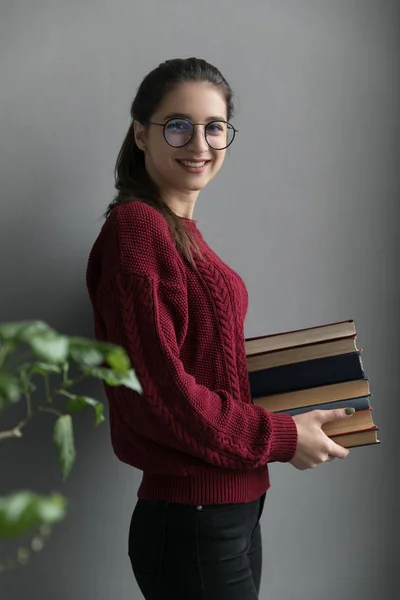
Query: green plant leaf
118	359
115	378
23	331
48	345
85	352
50	348
25	510
76	403
131	381
9	332
64	442
93	353
7	347
24	373
42	368
10	390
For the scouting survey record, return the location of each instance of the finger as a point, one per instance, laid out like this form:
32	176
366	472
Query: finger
337	451
337	413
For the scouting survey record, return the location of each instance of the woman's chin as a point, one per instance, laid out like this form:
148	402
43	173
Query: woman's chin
192	184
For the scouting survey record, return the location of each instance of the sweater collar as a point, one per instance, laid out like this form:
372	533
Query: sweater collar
190	223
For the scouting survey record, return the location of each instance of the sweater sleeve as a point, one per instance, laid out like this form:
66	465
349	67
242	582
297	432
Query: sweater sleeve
143	307
174	410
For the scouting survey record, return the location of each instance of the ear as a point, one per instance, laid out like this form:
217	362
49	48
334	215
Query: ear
139	131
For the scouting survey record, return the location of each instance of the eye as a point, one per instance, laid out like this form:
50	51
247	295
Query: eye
216	127
178	125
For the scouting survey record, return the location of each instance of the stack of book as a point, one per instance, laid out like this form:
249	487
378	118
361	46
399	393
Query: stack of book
314	368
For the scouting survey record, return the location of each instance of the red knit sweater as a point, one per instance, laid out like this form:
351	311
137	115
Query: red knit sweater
194	432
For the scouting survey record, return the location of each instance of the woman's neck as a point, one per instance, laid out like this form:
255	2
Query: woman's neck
182	206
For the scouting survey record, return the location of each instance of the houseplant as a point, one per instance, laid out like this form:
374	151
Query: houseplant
31	351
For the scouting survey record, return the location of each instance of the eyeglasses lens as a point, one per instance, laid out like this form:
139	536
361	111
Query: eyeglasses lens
179	132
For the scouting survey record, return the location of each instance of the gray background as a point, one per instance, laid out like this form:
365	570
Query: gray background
306	209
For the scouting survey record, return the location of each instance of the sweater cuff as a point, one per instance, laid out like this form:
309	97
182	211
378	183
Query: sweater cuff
284	438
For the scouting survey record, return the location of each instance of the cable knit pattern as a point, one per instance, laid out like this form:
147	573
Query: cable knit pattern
194	432
224	308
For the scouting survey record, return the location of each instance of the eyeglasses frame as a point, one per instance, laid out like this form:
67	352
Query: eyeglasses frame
164	125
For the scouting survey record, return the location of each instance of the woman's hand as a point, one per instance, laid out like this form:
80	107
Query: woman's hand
313	446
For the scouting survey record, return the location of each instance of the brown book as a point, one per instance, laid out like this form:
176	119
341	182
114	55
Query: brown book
318	395
360	421
361	438
300	337
267	360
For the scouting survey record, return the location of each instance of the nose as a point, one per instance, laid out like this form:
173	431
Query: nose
198	141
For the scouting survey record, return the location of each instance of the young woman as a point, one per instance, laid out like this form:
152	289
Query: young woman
159	290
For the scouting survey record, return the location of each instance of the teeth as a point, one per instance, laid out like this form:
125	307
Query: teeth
188	163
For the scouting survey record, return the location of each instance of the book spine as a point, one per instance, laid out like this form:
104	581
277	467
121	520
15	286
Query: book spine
361	403
307	374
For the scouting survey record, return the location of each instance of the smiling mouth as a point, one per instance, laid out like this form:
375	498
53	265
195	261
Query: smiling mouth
193	164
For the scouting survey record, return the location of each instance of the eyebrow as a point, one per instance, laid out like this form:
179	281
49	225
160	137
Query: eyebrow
177	115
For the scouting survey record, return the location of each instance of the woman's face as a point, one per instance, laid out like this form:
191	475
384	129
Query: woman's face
200	102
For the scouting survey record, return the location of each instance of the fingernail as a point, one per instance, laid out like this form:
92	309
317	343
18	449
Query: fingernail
349	411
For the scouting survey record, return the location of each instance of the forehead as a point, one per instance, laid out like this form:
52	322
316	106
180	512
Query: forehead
197	100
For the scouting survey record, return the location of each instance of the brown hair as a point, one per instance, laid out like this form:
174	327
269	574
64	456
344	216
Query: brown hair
132	181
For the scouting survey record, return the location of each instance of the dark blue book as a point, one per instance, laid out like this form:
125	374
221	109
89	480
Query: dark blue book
306	374
361	403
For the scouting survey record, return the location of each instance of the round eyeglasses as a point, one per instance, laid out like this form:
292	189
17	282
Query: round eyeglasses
178	133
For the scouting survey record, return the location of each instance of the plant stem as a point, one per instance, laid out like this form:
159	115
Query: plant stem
62	390
28	407
50	410
65	374
47	388
4	351
79	379
16	431
11	433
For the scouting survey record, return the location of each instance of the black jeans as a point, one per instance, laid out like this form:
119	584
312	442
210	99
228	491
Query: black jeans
184	552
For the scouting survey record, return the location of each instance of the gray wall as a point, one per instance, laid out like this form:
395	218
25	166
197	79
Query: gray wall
306	209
